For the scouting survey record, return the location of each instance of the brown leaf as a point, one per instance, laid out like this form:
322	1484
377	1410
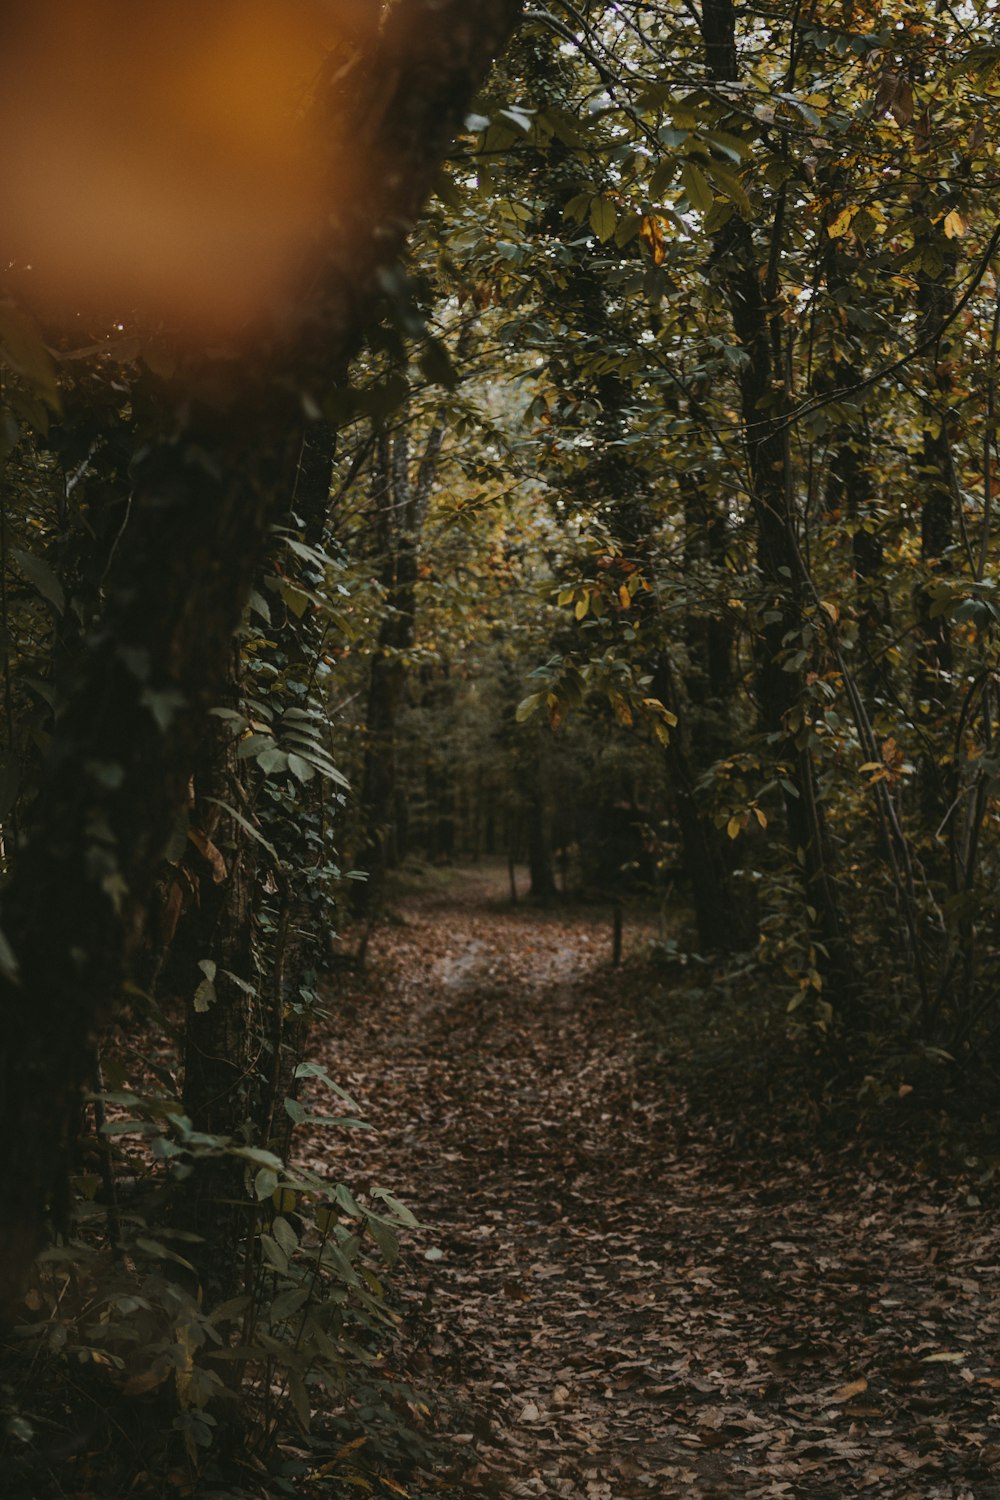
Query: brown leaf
147	1380
901	107
210	853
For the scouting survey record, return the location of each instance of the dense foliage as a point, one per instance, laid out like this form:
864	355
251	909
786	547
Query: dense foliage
632	517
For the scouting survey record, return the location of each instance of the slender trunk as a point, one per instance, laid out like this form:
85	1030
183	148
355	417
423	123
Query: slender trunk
400	505
783	642
724	914
223	1046
543	885
933	688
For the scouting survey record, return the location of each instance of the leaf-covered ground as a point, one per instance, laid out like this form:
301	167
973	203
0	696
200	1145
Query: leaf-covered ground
609	1298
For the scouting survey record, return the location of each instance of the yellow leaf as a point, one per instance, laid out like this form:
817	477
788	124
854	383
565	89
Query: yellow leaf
334	1463
624	598
582	604
184	1371
842	223
761	819
325	1218
954	225
352	1446
831	609
733	827
657	707
622	711
651	234
855	1388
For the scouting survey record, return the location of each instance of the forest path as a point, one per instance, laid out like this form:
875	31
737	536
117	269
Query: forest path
615	1302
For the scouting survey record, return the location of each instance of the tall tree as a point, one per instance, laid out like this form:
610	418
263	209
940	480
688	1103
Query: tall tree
205	495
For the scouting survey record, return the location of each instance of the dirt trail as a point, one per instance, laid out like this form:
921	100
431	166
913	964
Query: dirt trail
619	1305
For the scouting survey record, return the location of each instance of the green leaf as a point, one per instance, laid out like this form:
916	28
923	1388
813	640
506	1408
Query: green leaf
697	190
272	760
663	175
385	1240
296	600
401	1211
719	214
527	707
316	1070
602	218
257	604
154	1248
38	572
727	180
300	1399
285	1235
247	827
273	1253
264	1183
300	769
258	1156
229	1311
628	227
730	145
347	1201
288	1304
578	207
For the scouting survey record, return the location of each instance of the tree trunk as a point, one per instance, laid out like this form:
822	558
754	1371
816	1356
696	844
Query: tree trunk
724	914
932	684
543	884
750	284
224	1066
205	497
400	504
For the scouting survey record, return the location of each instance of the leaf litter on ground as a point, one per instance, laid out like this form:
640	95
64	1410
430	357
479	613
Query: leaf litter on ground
607	1298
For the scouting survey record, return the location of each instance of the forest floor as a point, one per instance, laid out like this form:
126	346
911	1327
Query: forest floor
618	1291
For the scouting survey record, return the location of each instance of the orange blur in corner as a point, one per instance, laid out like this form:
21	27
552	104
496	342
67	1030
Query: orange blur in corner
157	157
